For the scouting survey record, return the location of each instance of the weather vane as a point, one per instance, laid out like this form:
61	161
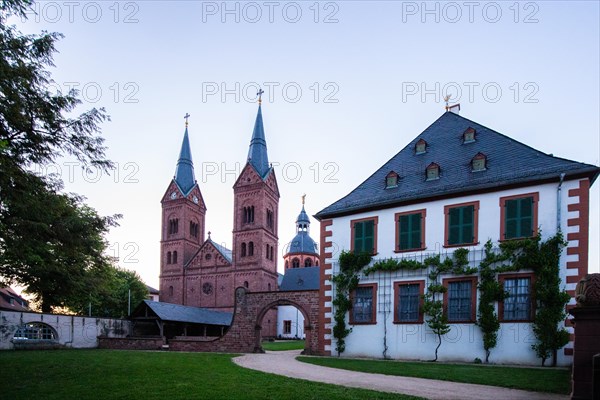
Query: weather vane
186	116
303	198
259	94
447	100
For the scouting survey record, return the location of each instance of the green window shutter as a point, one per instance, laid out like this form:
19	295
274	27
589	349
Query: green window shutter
358	237
410	231
511	211
468	220
526	224
461	225
454	218
415	231
404	236
518	218
369	236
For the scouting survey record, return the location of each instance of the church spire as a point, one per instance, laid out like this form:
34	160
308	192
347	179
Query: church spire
302	222
257	154
184	173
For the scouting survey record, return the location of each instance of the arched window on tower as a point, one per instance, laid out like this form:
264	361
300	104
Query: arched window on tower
308	262
272	253
251	248
270	223
248	217
287	264
173	226
316	263
174	257
169	257
246	285
243	249
295	263
171	291
193	229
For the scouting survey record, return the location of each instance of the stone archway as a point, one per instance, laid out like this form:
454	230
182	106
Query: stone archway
308	323
250	307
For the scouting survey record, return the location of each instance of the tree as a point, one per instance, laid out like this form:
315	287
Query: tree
110	296
433	307
50	242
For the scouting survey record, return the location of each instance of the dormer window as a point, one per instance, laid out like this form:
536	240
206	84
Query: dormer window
478	163
391	180
469	135
433	172
421	147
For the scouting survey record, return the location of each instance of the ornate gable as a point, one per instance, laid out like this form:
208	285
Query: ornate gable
209	256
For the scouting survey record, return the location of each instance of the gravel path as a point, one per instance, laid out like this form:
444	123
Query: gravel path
285	363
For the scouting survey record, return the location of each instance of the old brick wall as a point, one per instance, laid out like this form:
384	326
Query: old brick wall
130	343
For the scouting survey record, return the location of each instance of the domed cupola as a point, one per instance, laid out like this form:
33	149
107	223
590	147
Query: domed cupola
302	251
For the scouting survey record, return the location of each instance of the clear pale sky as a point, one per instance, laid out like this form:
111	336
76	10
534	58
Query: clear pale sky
343	80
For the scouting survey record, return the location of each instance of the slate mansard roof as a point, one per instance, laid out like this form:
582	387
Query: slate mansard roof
193	315
300	279
508	162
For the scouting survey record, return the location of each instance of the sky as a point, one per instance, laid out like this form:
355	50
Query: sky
342	80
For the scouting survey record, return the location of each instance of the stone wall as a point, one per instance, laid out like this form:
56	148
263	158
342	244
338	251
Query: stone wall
71	331
131	343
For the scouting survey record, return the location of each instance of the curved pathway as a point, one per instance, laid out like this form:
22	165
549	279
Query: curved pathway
285	363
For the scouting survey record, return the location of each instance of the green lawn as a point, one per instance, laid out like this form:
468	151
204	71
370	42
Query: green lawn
551	380
279	345
111	374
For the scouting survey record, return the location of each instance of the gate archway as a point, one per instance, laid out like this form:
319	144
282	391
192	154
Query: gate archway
244	333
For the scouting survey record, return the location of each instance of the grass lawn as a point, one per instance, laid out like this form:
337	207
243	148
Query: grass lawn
111	374
279	345
534	379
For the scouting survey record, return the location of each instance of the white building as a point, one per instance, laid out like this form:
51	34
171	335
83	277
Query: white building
455	185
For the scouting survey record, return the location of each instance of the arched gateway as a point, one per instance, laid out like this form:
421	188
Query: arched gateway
244	334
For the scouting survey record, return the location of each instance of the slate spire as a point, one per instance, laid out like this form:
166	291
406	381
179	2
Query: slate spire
184	173
257	154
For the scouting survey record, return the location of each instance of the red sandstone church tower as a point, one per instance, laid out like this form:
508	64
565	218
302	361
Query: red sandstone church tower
182	233
203	273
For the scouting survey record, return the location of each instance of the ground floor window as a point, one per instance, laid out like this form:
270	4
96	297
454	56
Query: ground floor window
460	299
363	304
408	297
517	305
287	327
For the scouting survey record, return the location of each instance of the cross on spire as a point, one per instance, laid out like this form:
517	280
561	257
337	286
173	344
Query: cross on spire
186	116
259	94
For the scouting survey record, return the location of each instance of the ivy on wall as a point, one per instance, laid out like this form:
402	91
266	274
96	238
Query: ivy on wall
542	257
346	281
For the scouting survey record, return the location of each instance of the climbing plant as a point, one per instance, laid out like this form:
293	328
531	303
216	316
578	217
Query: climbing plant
433	305
542	257
346	281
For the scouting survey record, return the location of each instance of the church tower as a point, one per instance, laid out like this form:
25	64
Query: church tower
256	210
182	233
